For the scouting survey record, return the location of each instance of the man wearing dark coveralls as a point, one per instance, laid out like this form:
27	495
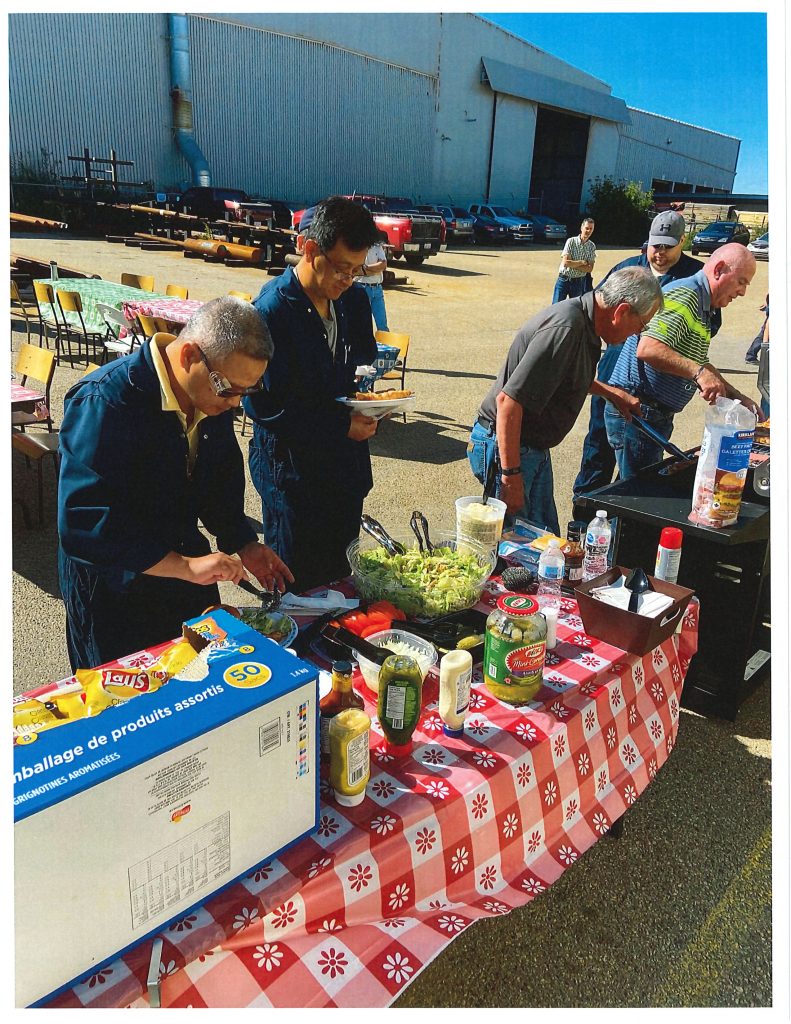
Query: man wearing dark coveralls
147	451
309	457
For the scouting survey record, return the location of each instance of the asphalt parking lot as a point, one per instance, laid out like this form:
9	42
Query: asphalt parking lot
678	911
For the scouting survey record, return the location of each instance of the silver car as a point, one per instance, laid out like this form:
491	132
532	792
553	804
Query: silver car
760	247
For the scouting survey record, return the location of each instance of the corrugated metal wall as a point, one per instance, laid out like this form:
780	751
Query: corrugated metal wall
100	81
290	117
693	154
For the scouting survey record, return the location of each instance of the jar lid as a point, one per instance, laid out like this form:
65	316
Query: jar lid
517	604
343	668
452	732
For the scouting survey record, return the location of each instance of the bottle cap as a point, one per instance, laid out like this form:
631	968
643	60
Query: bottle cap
553	543
349	801
344	668
671	537
398	749
452	732
601	513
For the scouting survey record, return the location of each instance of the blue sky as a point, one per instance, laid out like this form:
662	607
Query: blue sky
707	69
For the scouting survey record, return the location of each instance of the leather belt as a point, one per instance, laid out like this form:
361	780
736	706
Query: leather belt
653	404
486	424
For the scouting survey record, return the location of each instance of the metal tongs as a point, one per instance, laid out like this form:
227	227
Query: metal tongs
375	529
270	600
418	522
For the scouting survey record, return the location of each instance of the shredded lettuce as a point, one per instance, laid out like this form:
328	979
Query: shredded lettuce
421	583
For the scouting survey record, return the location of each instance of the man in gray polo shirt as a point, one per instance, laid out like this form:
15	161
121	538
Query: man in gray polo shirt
542	385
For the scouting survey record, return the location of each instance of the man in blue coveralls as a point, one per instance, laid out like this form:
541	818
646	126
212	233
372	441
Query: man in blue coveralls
147	451
309	457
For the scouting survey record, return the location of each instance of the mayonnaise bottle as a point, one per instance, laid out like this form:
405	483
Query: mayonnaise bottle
455	677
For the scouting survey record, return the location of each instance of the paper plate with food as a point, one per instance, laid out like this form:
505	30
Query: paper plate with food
380	403
275	625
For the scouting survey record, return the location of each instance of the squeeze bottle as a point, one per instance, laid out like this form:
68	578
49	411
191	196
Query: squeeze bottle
455	677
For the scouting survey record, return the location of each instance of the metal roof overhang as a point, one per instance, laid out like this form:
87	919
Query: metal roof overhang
552	92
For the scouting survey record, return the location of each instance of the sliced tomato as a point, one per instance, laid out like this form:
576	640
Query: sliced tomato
383	617
375	627
355	622
388	608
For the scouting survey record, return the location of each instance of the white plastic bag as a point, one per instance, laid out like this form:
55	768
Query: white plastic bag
722	464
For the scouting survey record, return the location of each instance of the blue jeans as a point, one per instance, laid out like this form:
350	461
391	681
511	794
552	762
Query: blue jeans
568	288
633	450
598	459
376	297
536	465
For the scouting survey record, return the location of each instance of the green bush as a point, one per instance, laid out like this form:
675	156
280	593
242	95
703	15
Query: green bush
621	211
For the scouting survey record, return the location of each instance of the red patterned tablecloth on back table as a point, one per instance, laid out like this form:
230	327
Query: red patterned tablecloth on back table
174	310
459	830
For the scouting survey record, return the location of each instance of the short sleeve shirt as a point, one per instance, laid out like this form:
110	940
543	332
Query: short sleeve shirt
684	324
549	369
577	250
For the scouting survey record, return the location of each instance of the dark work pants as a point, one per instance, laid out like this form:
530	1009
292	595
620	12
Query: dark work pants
103	624
598	459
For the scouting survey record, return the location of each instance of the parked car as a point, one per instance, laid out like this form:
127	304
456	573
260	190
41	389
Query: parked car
224	204
718	233
519	229
546	228
283	211
488	231
458	222
760	247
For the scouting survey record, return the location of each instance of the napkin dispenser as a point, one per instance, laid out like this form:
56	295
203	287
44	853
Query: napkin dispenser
634	633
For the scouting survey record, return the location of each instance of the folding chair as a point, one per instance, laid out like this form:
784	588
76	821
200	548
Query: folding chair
144	282
401	342
177	291
112	341
20	310
37	447
48	314
242	295
71	303
150	325
38	363
90	368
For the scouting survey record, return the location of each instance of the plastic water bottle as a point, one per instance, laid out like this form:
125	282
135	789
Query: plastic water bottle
597	545
550	575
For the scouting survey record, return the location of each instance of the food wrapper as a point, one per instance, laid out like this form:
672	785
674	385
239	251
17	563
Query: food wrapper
94	690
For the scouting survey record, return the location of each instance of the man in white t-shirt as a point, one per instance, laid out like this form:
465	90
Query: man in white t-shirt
371	279
576	263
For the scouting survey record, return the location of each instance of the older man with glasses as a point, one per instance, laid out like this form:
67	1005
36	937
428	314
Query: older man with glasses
148	452
663	255
309	457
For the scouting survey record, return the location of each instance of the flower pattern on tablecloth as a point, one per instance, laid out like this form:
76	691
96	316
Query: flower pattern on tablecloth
183	923
437	789
433	756
245	918
571	809
559	745
459	860
328	825
332	962
268	956
534	841
318	866
488	878
432	723
533	886
477	727
382	824
494	907
425	839
399	897
567	854
583	763
330	925
383	788
632	713
600	823
550	793
630	794
523	774
628	753
452	923
526	731
484	759
359	876
559	710
284	915
510	825
397	967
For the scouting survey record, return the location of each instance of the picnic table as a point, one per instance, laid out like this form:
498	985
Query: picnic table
91	291
24	399
459	830
173	310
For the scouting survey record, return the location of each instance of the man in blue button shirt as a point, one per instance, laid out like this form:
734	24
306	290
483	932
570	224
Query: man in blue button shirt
666	260
668	362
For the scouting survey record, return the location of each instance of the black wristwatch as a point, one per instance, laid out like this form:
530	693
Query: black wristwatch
511	472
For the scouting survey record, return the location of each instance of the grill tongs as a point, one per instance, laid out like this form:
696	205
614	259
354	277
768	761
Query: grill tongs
418	522
375	529
270	600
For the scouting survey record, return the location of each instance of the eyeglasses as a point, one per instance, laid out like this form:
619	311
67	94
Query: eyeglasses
663	248
223	387
346	275
643	323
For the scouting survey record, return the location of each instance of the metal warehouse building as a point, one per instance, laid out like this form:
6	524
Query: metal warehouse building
440	107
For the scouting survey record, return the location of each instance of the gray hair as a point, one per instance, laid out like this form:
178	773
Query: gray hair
636	286
228	325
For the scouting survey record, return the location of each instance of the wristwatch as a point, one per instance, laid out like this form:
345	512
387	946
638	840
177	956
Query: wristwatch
511	472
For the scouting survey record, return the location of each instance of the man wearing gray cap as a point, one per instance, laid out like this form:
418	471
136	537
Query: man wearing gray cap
664	257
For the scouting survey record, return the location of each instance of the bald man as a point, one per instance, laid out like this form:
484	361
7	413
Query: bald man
665	365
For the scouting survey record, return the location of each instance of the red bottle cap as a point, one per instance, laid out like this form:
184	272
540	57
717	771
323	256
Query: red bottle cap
398	749
671	537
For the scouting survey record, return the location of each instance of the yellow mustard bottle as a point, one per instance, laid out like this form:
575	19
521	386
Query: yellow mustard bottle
350	756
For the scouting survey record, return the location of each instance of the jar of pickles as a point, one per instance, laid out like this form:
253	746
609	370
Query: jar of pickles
514	649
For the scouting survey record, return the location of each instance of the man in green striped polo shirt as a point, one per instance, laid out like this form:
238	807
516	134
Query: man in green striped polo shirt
668	362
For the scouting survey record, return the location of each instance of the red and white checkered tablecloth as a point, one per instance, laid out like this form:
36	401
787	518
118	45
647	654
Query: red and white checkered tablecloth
22	394
459	830
174	310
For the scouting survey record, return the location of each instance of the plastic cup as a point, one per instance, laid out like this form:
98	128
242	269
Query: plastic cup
478	522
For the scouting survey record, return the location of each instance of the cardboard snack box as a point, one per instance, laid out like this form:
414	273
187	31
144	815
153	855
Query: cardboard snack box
127	820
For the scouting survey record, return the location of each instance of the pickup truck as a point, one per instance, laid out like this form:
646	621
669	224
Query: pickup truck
519	229
411	235
458	222
224	204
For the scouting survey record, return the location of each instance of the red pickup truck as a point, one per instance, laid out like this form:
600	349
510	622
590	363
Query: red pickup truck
412	235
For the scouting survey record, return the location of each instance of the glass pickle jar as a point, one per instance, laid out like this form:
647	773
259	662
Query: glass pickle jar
514	649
